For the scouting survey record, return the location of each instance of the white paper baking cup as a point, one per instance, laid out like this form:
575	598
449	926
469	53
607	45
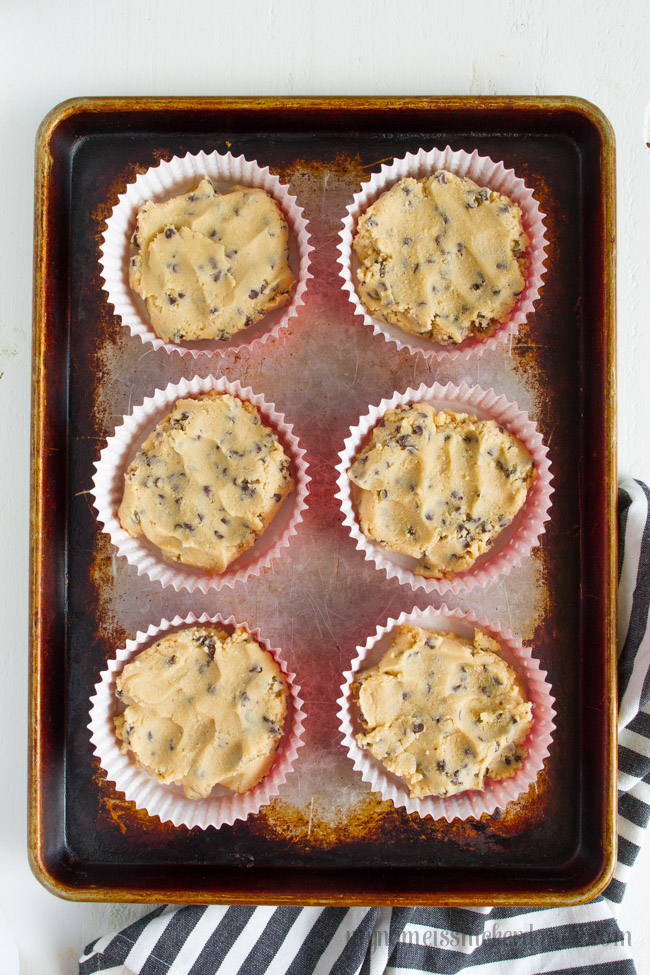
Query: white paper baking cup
512	544
121	448
168	802
483	171
171	178
472	803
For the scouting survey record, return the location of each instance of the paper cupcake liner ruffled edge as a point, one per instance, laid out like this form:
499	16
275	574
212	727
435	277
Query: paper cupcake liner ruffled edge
485	172
172	177
168	803
108	488
473	803
513	544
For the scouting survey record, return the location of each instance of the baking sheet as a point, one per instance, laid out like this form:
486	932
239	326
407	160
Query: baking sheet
326	838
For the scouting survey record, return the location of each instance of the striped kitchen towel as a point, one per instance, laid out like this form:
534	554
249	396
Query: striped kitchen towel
395	941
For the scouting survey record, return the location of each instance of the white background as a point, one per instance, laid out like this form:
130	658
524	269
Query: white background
55	50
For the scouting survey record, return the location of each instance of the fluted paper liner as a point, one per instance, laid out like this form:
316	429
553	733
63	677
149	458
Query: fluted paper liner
471	803
512	544
122	447
171	178
168	802
485	172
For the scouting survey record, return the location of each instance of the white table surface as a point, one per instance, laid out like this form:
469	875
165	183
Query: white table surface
55	50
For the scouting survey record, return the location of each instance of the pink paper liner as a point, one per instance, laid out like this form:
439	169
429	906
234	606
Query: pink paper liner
171	178
473	803
485	172
120	450
168	802
512	544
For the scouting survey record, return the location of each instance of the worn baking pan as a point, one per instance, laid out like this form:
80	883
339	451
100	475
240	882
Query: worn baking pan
326	839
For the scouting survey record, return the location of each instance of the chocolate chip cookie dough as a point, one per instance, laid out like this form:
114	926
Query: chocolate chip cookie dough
441	258
207	482
443	712
439	486
203	708
209	264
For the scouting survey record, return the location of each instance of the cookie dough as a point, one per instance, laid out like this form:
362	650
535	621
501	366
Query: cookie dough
203	708
444	713
439	486
206	482
209	264
441	258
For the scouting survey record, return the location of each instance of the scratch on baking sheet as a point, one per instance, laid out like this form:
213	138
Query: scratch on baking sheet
505	592
324	201
311	813
114	565
377	161
320	616
356	370
549	436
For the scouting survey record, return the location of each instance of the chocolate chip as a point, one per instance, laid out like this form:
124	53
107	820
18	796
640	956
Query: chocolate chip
253	294
418	727
171	660
169	232
441	765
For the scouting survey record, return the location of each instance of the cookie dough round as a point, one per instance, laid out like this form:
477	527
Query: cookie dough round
439	487
209	264
203	708
444	713
441	258
207	482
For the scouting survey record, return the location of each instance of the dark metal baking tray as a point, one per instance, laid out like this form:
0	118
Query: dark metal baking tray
326	839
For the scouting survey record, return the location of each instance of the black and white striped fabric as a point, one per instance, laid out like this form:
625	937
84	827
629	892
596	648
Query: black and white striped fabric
395	941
